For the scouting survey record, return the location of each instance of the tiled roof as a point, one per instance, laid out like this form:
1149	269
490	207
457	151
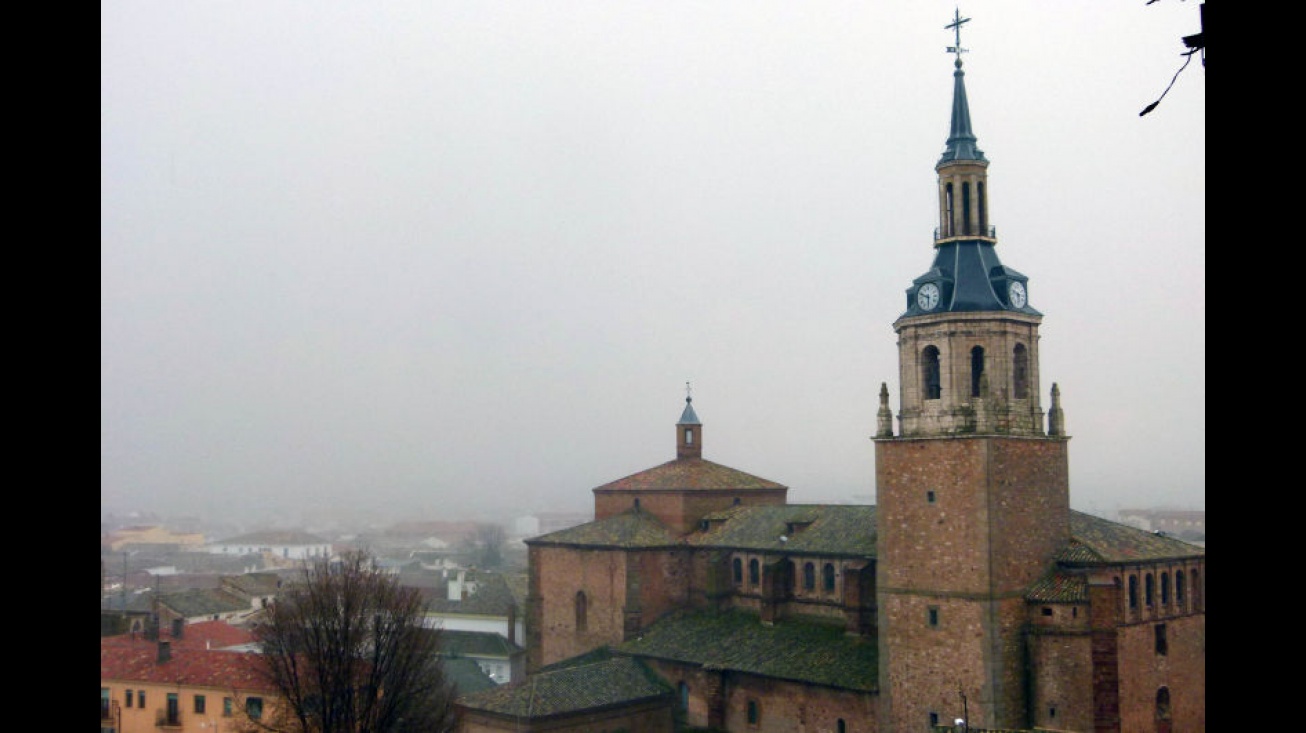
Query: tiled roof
203	601
275	537
254	584
138	662
199	635
476	644
806	650
1058	587
689	473
616	681
1094	540
630	529
466	675
492	597
834	529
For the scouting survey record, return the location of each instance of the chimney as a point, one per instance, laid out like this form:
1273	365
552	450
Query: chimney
512	623
165	651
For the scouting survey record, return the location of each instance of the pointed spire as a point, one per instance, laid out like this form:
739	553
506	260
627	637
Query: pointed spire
688	417
689	431
961	140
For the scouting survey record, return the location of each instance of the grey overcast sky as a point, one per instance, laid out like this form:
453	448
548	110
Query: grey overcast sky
452	259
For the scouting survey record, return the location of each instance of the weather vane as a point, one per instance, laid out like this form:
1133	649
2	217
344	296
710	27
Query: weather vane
955	25
688	392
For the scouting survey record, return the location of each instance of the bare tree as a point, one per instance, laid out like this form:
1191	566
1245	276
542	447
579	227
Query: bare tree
485	546
347	651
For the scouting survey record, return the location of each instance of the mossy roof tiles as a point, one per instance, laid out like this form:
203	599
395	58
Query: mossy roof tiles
1059	588
574	689
832	529
455	642
1097	541
631	529
689	473
805	650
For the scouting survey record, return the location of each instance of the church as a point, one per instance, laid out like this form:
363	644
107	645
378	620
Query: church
970	595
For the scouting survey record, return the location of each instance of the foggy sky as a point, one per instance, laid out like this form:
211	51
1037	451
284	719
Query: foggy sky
440	259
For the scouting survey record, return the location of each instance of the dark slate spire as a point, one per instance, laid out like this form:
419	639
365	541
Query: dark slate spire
961	141
688	417
689	431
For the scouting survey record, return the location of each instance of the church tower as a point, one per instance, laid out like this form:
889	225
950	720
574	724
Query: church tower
973	490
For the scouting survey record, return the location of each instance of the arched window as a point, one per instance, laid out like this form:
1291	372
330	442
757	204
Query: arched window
930	373
753	713
582	611
683	689
738	566
689	436
976	370
1196	592
965	208
1148	588
983	209
809	576
753	575
1179	589
840	726
1133	592
1020	371
827	577
1163	708
1165	588
949	228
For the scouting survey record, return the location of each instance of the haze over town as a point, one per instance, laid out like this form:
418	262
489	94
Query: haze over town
434	259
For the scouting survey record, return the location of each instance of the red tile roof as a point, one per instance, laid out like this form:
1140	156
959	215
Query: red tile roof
690	473
139	662
200	635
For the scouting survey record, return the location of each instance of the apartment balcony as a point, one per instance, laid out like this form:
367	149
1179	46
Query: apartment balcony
164	718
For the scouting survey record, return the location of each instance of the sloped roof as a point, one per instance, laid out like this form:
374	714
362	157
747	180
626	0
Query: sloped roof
1058	587
476	644
615	681
491	597
466	675
275	537
631	529
690	474
814	651
833	529
199	635
254	584
137	661
1097	541
203	601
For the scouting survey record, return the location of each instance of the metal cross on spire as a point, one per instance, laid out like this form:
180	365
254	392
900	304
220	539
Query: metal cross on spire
955	25
688	392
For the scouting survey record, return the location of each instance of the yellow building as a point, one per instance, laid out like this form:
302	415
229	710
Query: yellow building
153	535
201	678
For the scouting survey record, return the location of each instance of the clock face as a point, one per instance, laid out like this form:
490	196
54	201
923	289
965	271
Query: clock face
927	297
1017	294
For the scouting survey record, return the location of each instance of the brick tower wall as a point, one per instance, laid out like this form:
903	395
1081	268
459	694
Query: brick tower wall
964	525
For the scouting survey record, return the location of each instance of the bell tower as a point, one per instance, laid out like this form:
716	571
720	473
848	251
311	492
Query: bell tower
972	493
